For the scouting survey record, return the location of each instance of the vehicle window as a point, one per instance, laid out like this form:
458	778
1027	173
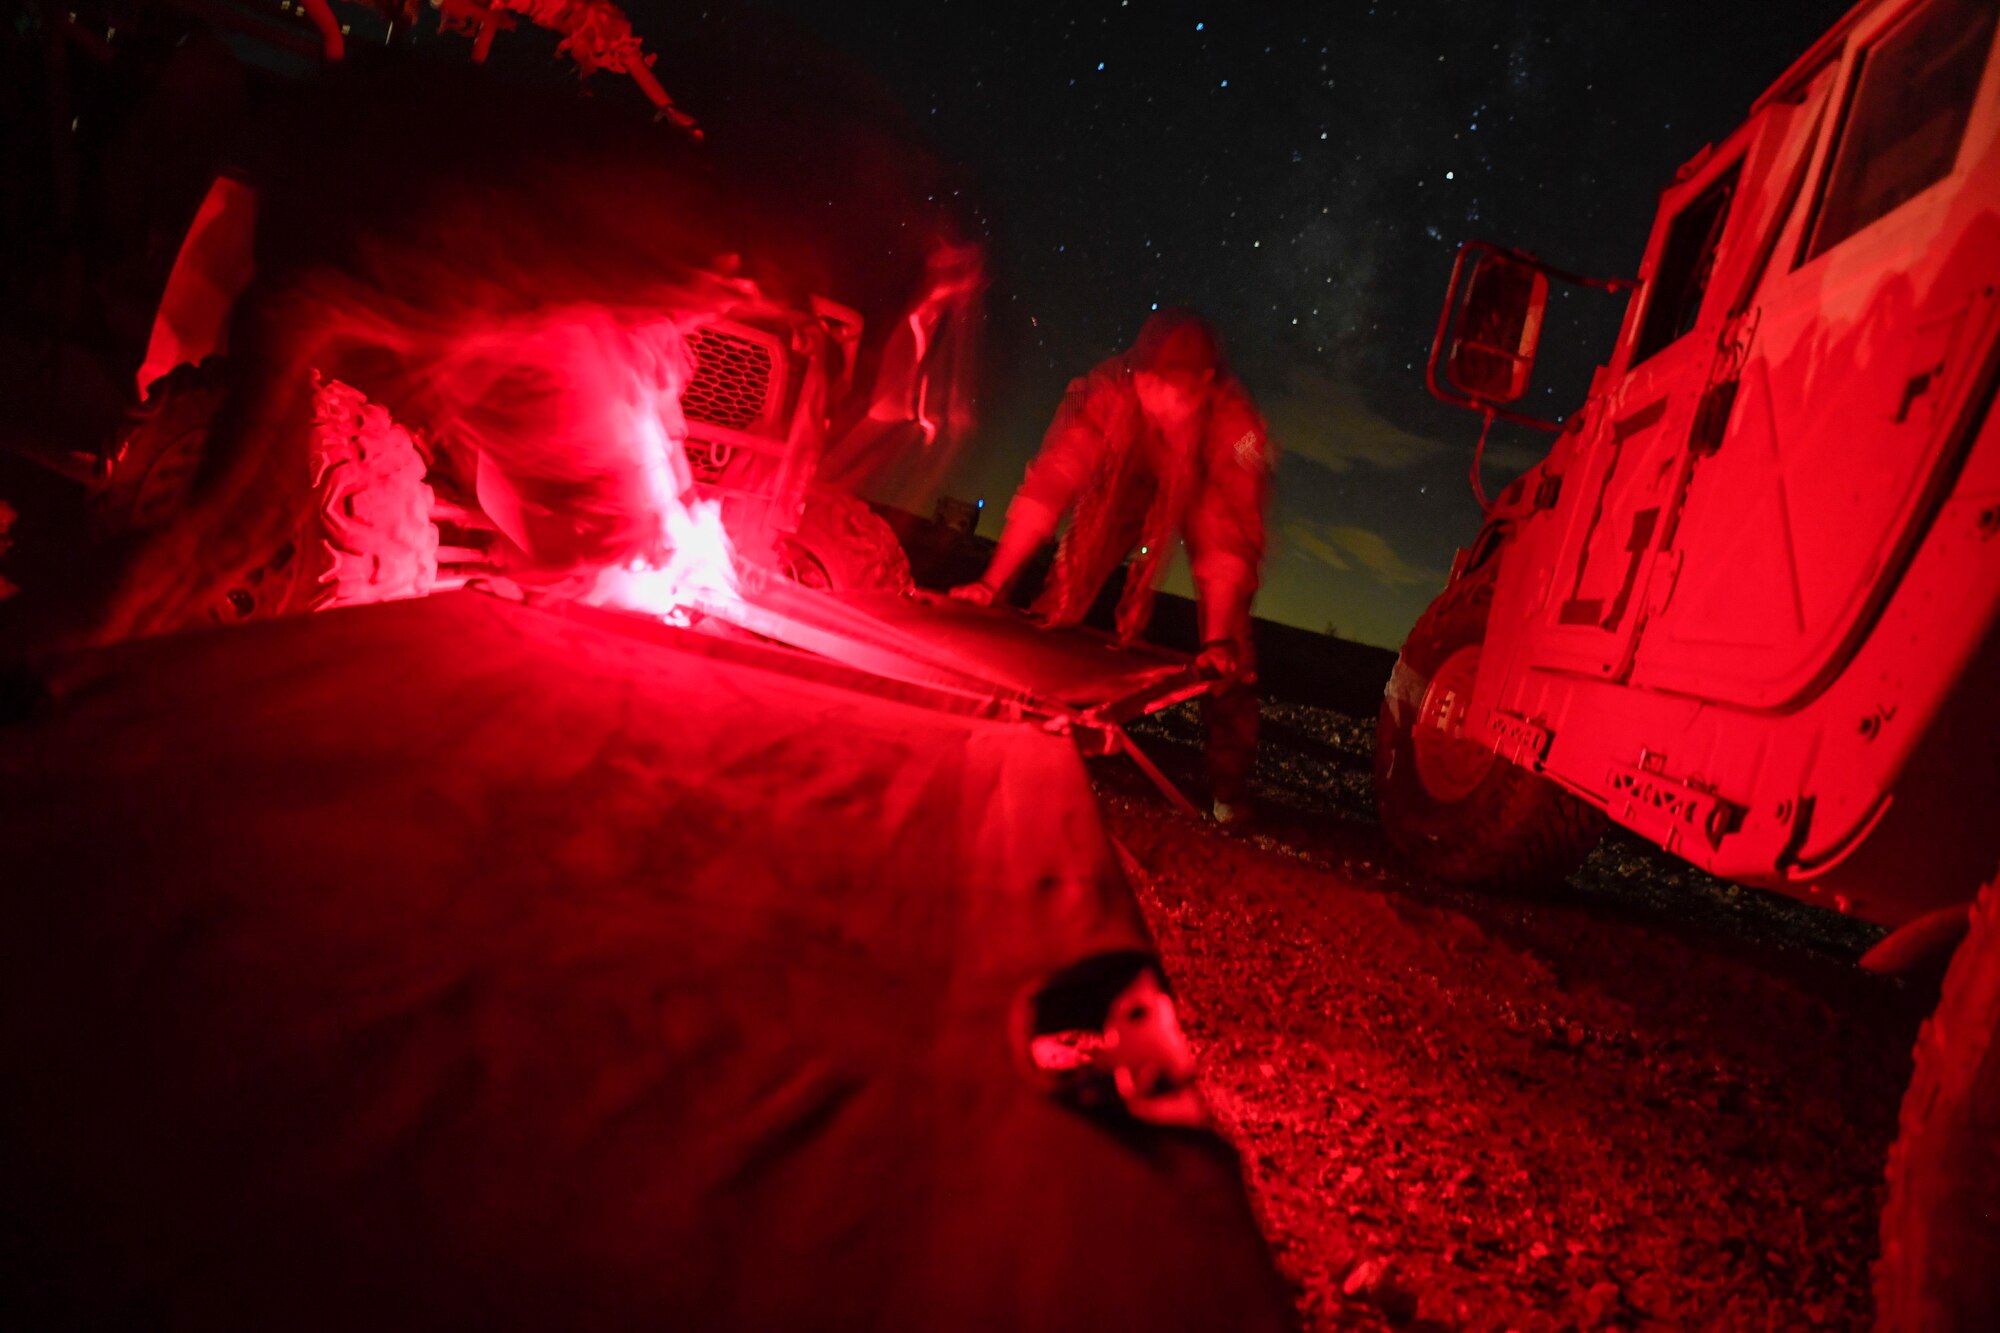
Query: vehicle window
1673	300
1913	92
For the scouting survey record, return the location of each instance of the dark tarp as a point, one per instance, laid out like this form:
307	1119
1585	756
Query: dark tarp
451	964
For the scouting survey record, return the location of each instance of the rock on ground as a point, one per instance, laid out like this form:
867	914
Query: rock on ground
1649	1100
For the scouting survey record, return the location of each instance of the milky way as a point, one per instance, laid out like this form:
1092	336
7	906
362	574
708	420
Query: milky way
1303	174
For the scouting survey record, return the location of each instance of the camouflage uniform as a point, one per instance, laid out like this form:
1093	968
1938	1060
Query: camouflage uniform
1129	490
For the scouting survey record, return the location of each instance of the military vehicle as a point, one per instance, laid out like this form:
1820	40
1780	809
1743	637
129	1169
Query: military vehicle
774	372
1748	606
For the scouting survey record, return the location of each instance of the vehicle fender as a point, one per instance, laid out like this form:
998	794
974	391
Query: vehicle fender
215	264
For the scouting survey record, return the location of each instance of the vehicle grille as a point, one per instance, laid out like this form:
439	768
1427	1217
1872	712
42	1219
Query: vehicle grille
732	380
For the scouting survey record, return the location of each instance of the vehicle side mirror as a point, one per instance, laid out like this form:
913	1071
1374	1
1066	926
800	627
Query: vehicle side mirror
1497	327
1484	353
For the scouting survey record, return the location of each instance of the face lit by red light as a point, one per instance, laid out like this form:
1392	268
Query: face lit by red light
1171	398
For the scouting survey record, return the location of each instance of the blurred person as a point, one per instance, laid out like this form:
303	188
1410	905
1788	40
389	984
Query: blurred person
1158	443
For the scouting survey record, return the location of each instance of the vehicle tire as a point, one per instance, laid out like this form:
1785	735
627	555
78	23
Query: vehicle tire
376	538
844	546
1454	809
1940	1265
157	452
369	535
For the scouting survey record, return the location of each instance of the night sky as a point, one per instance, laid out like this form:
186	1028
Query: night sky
1302	174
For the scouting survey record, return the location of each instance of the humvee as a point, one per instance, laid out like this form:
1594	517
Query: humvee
766	373
1748	605
778	372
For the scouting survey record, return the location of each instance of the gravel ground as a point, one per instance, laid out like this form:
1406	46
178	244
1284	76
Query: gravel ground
1649	1101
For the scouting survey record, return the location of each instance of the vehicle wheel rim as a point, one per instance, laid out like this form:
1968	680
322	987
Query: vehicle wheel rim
1450	765
268	589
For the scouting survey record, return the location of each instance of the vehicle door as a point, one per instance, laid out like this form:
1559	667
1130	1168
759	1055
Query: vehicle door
1632	475
1865	352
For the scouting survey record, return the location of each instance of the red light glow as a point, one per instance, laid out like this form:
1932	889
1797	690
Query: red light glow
573	414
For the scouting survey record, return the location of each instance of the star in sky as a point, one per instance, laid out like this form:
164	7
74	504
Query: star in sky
1303	174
